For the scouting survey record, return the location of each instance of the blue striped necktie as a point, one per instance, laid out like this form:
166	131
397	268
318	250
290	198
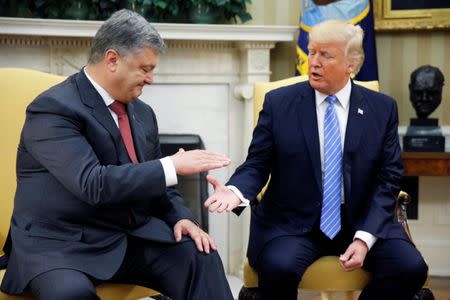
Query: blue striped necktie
330	219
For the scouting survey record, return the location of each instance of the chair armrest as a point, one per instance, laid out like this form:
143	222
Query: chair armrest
5	250
3	261
403	200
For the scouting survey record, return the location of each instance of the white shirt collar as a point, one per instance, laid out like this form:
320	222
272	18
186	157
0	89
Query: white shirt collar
103	93
343	95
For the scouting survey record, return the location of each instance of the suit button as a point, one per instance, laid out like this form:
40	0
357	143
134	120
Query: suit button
305	230
317	203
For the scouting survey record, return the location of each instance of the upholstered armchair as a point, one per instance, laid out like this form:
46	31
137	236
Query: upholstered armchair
18	87
325	275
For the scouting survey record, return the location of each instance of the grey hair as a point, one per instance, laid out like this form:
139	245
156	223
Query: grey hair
341	32
126	32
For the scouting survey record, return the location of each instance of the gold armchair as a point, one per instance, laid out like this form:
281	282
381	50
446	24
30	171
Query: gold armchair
18	87
325	275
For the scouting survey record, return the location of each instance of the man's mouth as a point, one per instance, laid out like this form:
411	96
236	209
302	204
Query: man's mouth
315	75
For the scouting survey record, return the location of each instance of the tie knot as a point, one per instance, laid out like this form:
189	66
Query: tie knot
331	99
118	108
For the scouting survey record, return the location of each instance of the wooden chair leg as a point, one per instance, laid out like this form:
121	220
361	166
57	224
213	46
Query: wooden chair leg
161	297
350	295
249	294
325	295
424	294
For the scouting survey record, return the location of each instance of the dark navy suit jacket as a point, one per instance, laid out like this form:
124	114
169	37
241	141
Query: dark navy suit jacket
76	187
285	145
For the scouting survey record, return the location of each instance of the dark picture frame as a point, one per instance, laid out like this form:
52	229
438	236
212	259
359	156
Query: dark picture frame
404	15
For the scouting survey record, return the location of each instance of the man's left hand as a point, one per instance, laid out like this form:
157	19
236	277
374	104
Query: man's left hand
202	240
354	256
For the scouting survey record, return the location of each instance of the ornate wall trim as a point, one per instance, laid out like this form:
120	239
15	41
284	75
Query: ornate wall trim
38	41
206	45
200	32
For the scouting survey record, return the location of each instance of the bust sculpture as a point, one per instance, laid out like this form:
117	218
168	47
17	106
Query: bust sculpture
425	90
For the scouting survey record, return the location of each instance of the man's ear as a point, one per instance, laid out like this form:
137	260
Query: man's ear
111	58
351	68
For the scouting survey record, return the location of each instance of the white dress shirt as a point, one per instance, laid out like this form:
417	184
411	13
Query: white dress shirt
169	169
341	109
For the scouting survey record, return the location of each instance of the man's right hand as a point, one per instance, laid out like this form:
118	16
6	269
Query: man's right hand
223	198
196	161
354	256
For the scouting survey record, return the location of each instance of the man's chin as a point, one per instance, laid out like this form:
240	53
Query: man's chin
131	97
314	83
138	92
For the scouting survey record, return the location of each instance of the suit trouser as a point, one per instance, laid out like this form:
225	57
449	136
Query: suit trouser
398	269
179	271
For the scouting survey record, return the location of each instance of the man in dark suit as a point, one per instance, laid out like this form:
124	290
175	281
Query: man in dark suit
94	199
332	152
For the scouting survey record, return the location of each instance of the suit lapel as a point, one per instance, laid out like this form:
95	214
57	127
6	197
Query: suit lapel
308	116
355	125
355	120
92	99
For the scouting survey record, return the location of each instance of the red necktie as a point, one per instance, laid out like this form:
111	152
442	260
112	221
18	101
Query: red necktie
125	129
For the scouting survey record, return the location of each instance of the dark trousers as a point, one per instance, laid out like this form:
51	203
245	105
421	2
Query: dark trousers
179	271
398	270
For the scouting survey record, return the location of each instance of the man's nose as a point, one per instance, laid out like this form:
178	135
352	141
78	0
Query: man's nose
149	78
313	61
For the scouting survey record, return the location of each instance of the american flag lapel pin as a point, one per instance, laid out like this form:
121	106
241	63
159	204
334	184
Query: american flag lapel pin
360	111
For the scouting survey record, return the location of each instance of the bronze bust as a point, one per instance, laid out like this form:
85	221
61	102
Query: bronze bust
425	90
424	134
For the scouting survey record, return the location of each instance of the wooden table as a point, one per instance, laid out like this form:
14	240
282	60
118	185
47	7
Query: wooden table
426	163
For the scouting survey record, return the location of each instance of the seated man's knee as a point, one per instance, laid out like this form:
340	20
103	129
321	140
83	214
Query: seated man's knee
67	292
74	292
63	284
211	260
413	270
191	254
417	269
279	268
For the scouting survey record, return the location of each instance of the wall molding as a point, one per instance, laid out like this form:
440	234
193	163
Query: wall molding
168	31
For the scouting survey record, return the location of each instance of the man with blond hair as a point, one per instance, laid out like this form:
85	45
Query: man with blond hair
331	149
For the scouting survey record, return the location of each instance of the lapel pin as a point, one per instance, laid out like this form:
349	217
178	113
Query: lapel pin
360	111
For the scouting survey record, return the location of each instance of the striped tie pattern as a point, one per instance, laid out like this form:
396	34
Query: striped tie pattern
330	219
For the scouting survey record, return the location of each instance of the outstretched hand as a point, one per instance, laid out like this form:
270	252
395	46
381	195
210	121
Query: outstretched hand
354	256
223	199
196	161
201	239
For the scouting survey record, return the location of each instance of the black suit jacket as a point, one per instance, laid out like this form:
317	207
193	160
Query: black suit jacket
285	145
76	187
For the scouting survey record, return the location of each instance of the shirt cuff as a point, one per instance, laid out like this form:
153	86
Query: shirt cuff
169	171
244	202
366	237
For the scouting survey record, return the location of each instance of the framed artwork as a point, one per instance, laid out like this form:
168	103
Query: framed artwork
412	15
